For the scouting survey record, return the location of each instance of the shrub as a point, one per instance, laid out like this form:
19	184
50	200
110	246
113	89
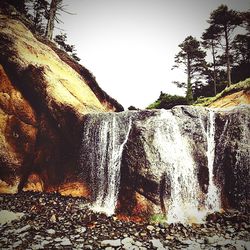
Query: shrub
167	101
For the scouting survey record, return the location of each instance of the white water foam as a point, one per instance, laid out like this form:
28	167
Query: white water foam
105	172
213	195
183	205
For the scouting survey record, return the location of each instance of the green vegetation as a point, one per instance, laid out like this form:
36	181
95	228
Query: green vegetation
132	108
158	219
192	57
243	85
229	47
167	101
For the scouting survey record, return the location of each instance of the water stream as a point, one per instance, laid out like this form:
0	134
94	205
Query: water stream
104	138
183	205
213	194
102	147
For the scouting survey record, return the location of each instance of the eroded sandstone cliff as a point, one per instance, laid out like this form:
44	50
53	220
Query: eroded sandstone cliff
44	97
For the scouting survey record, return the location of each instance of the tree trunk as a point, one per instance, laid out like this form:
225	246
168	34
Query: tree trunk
228	58
51	19
214	73
189	94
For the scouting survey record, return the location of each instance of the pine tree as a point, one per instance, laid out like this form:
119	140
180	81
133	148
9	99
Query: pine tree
61	40
211	40
40	8
193	58
54	7
226	20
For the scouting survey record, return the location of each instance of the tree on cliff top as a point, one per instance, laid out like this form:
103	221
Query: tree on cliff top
55	5
226	20
193	58
211	40
61	40
40	12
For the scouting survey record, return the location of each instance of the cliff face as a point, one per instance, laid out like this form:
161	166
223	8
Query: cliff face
183	162
44	96
240	97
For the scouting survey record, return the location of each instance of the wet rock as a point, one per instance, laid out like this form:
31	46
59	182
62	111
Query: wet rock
150	227
44	243
88	247
23	229
127	240
53	218
127	246
66	242
112	243
81	230
51	231
17	244
156	243
105	228
138	243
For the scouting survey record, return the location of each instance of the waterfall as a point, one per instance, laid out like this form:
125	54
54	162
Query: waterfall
162	148
181	170
102	147
213	197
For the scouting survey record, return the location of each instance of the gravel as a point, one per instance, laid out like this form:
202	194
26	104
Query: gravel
50	221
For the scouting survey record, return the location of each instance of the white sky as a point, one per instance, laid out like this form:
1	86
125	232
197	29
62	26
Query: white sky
129	45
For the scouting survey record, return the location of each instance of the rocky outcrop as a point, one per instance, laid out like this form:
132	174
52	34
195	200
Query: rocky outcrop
18	131
164	160
232	100
44	97
144	159
156	145
232	161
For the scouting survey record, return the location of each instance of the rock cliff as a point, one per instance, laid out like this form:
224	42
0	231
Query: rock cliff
44	97
182	162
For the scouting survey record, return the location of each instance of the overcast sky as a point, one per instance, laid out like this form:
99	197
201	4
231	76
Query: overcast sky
129	45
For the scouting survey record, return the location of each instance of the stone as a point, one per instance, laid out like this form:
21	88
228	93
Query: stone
23	229
81	230
65	242
111	243
150	227
17	244
80	240
127	246
51	231
213	239
230	230
89	247
138	243
127	240
53	218
44	242
242	245
57	239
8	216
157	244
36	246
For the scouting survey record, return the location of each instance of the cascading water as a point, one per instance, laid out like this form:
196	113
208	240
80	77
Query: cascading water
167	146
181	171
101	153
213	195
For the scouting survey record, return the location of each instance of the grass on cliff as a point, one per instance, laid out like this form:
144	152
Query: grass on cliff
206	101
167	101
